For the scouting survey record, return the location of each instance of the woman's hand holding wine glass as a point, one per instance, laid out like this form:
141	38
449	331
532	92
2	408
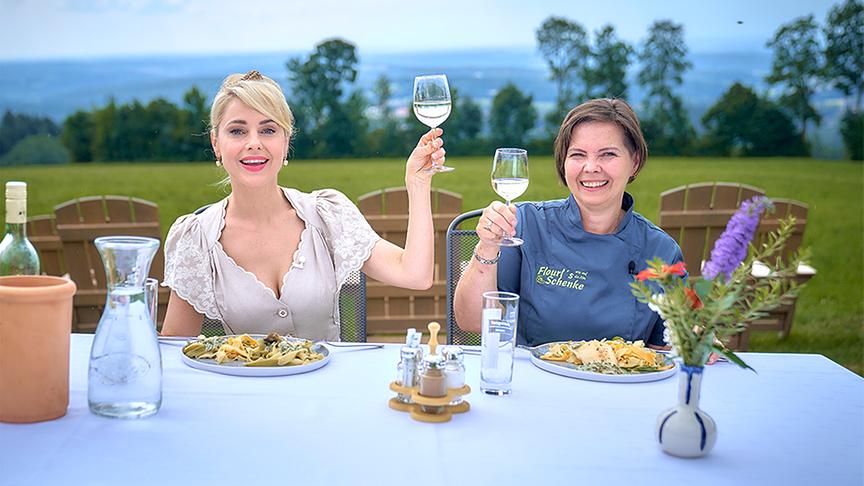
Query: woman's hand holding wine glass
510	180
432	106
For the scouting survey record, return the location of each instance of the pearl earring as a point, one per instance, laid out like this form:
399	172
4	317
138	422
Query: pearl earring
218	162
285	162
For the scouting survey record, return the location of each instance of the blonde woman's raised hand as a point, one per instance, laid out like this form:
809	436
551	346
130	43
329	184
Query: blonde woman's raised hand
429	151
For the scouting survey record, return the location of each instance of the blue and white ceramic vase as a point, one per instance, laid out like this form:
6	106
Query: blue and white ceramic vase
685	430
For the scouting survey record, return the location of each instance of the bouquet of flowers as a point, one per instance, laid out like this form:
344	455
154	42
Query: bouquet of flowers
701	314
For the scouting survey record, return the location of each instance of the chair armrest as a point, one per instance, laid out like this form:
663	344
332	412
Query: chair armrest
760	270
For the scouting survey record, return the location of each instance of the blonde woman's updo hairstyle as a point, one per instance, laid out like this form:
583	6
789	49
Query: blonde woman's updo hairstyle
256	91
603	110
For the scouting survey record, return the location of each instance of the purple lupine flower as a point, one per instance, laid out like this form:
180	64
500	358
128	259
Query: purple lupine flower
731	248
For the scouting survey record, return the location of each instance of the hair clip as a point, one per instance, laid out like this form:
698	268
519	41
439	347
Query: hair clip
252	75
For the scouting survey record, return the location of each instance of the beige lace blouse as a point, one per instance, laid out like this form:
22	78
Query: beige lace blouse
336	241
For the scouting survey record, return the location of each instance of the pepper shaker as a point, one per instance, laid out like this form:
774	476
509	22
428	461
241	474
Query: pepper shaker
433	382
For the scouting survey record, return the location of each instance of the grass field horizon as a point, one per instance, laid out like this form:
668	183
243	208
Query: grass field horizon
830	315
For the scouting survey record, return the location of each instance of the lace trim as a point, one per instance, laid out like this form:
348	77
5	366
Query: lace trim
350	235
187	273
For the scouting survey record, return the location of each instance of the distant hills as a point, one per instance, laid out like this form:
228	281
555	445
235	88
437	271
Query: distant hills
58	88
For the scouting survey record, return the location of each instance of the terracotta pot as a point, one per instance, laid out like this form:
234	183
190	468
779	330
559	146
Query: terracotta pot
35	323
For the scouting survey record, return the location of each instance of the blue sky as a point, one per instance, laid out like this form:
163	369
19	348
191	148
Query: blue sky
59	29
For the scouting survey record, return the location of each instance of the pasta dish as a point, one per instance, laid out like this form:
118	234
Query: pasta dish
272	350
614	356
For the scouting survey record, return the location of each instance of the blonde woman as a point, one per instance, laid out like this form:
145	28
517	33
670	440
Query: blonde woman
272	259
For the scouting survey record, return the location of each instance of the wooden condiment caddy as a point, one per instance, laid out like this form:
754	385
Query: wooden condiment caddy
436	408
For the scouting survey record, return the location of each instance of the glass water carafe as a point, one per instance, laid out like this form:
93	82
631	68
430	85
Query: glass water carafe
125	375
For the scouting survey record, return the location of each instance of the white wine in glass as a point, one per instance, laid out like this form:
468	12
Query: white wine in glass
510	180
432	105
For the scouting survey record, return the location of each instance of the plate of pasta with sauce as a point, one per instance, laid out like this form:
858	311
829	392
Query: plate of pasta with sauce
254	355
614	360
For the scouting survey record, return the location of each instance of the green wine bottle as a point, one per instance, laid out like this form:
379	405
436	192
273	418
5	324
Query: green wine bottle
17	254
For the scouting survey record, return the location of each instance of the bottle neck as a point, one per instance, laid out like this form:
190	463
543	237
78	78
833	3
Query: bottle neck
16	214
17	230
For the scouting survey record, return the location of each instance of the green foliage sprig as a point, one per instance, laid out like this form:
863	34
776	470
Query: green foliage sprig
701	314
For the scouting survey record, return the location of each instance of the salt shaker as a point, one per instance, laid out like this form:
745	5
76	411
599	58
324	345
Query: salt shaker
410	358
454	369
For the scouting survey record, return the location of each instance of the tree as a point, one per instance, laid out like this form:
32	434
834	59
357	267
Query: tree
104	132
36	149
774	133
852	130
193	124
844	68
386	139
162	135
796	68
317	88
318	81
341	134
664	60
78	133
607	76
463	127
17	126
383	95
512	116
564	46
844	49
667	129
742	123
729	121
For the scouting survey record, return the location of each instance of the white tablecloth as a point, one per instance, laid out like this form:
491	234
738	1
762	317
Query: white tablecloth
800	420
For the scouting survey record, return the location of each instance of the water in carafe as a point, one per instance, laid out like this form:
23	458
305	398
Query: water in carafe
125	375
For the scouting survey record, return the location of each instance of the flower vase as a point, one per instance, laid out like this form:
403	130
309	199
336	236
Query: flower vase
685	430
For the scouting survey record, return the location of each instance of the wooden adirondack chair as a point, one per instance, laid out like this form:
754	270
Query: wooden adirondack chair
696	215
781	318
42	232
79	222
391	310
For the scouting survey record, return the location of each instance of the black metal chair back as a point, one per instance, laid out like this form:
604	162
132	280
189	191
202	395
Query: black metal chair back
460	248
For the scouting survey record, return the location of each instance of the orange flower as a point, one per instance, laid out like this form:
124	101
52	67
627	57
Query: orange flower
646	274
695	301
677	269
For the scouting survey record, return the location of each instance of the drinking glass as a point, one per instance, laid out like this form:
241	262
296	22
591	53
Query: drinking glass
151	296
510	180
432	105
498	341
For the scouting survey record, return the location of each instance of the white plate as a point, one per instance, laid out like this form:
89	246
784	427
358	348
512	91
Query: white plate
237	368
570	370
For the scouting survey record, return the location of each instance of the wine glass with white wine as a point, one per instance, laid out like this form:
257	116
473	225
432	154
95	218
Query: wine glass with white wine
510	180
432	105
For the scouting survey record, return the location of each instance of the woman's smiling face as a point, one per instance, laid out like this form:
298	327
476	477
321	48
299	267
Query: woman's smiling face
250	145
598	165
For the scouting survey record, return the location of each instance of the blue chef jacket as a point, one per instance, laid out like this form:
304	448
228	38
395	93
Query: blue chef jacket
574	285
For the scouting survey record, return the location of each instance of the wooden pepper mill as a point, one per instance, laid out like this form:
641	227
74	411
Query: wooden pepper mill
433	383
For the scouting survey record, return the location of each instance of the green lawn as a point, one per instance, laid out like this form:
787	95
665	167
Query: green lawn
830	316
